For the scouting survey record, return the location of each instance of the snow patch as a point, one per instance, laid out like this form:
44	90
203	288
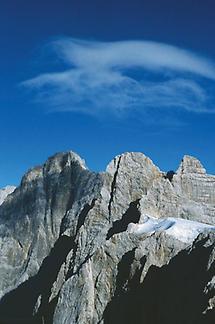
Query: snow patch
182	229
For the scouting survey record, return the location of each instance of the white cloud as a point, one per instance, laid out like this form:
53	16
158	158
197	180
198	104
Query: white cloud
124	77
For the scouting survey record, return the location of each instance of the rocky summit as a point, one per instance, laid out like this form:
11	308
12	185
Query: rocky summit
129	245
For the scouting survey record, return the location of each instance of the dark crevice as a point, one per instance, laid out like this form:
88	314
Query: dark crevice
132	215
20	244
88	257
18	305
173	293
71	272
113	185
83	214
169	175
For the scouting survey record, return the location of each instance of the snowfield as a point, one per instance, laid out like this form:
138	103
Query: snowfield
181	229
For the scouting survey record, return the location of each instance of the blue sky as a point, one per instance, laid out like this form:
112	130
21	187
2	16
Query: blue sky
105	77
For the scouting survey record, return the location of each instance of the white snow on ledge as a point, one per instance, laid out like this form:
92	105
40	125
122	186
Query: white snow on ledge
181	229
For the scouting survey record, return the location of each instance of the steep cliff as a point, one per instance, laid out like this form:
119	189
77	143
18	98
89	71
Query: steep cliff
129	245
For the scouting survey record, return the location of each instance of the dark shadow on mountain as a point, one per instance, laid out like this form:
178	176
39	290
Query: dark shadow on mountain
84	213
132	215
171	294
123	307
169	175
17	306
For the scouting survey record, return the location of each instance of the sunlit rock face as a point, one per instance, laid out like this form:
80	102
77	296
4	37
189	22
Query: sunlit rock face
188	194
129	245
4	192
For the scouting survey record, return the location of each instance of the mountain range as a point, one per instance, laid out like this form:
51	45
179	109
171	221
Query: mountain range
131	245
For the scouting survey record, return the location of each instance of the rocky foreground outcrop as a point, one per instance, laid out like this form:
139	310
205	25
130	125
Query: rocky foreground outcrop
129	245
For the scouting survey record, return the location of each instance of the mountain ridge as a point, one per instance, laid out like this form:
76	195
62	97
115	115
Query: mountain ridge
65	236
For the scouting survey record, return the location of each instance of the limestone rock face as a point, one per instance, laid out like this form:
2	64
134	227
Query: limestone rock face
84	247
188	194
5	192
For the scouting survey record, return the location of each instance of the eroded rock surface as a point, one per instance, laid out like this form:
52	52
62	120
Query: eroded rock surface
4	192
84	247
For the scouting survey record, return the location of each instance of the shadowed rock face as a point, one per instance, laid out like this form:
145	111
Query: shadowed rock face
132	215
66	255
173	289
22	300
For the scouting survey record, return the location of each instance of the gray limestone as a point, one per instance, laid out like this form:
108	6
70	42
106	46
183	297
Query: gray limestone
67	256
4	192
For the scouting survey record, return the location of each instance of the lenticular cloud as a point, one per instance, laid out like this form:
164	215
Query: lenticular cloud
124	77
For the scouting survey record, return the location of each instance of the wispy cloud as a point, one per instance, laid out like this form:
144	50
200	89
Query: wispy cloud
125	77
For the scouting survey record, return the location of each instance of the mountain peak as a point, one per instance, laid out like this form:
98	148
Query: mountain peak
83	247
190	164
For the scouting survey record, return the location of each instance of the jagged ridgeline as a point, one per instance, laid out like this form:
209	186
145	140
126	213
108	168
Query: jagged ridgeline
131	245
